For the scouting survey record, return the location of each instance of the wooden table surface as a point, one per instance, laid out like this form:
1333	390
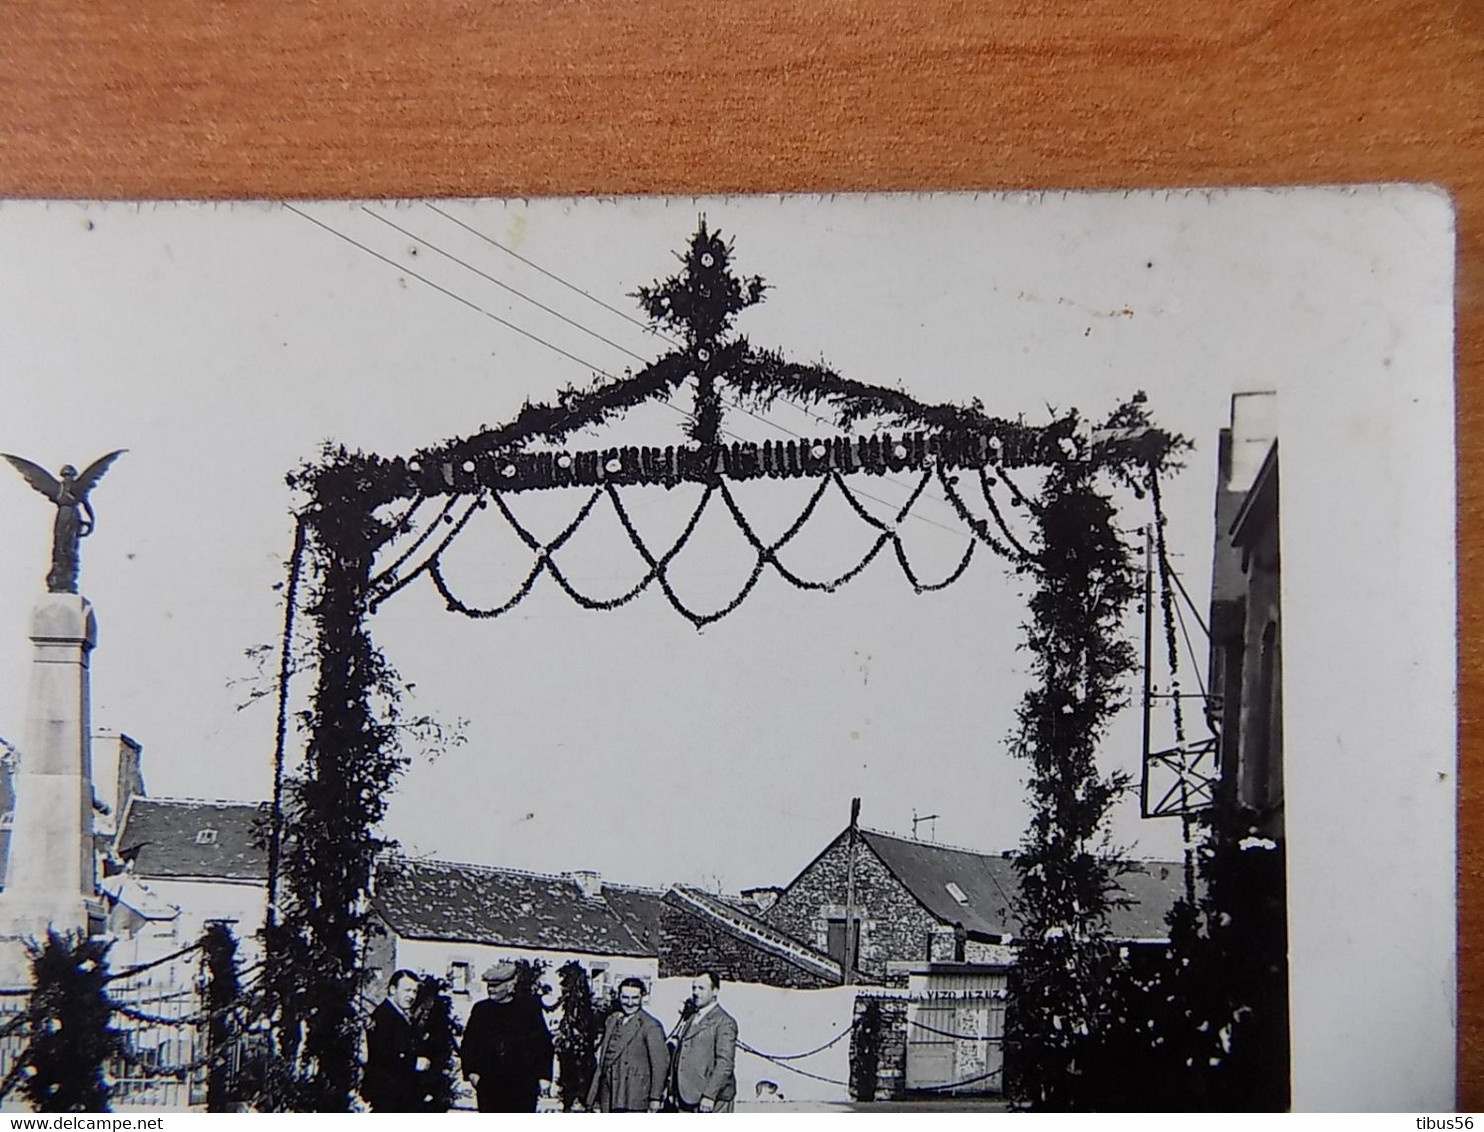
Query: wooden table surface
526	97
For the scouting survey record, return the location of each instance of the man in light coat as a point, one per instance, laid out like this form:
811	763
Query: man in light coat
703	1071
632	1057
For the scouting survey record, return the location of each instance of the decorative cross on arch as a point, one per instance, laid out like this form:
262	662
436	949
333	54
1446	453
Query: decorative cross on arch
360	504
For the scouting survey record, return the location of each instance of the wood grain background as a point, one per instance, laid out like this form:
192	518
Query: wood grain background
527	97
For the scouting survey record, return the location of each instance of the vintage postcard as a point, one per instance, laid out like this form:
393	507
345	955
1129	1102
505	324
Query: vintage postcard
738	654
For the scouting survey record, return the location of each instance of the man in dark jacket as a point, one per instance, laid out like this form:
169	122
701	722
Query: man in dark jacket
507	1049
393	1079
632	1057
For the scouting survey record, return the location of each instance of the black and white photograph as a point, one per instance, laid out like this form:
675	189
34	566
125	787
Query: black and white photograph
866	653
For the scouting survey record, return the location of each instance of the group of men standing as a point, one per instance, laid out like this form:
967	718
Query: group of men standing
506	1054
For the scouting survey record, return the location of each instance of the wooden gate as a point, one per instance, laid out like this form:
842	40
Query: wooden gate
955	1032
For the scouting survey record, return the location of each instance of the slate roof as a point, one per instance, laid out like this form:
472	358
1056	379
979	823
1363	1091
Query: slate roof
165	839
640	909
723	914
989	884
445	900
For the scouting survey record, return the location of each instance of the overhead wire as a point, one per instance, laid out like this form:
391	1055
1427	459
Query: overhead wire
445	291
425	242
1195	660
1194	609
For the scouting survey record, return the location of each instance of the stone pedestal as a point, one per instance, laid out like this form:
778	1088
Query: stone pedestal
50	877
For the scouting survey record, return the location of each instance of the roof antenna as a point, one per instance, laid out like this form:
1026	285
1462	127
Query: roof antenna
916	821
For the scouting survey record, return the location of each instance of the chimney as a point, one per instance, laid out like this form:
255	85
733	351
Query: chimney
1254	428
761	898
591	883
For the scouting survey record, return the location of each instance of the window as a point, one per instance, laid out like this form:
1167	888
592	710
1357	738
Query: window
956	892
835	942
1262	737
597	974
206	836
460	975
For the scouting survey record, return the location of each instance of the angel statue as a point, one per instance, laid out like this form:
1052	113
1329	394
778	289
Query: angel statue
74	520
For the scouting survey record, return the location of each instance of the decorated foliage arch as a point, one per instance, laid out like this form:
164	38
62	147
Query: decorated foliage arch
1061	534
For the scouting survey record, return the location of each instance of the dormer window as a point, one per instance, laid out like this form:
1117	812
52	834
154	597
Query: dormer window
956	892
206	836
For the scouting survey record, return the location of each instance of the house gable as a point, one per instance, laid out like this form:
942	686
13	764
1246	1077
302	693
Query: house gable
894	924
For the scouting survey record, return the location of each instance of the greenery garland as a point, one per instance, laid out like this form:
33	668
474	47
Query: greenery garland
314	975
578	1034
70	1022
1085	580
220	991
438	1029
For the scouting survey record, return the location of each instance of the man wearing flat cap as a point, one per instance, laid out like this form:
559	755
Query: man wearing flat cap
506	1053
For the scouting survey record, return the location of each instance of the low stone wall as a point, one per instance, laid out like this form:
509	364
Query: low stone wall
878	1049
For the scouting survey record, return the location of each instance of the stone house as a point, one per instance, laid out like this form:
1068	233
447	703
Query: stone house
917	902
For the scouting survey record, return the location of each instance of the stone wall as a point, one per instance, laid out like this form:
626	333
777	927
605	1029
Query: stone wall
878	1049
690	944
894	926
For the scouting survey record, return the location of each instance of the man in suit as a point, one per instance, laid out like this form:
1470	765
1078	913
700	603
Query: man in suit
702	1073
507	1048
632	1057
394	1075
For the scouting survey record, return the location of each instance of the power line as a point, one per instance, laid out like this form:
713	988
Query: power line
1194	612
553	276
1195	661
506	286
735	404
452	295
475	306
648	327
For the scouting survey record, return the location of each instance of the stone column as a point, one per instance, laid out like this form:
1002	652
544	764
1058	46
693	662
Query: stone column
50	877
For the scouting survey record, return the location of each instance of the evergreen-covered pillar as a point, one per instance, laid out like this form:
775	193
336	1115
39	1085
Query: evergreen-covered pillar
1084	582
350	766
